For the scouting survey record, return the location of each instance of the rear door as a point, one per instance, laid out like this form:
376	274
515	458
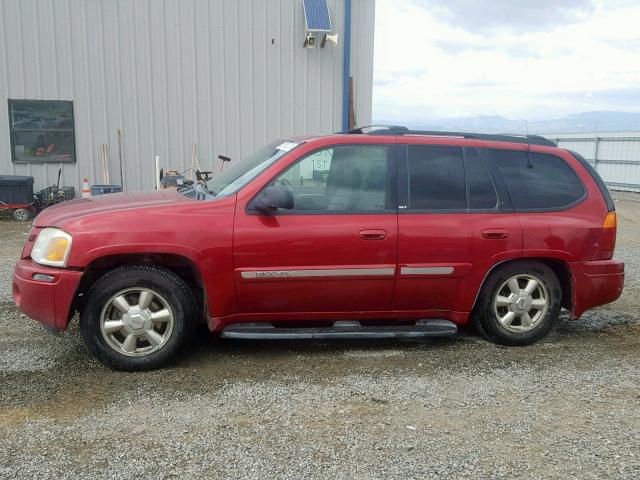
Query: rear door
335	251
455	221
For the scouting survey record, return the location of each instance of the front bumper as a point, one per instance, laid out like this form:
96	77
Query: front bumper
595	283
48	302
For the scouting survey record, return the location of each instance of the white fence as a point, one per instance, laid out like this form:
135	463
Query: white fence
616	156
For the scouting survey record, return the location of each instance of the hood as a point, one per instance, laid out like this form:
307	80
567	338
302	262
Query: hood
73	209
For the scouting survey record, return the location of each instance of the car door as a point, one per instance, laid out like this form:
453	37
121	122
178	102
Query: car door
455	222
335	251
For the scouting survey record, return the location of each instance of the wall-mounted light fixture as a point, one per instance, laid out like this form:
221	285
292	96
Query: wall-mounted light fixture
332	39
309	41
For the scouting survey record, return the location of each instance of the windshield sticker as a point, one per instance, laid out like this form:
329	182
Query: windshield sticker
287	146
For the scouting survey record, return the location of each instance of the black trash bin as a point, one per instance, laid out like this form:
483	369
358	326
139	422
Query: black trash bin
16	191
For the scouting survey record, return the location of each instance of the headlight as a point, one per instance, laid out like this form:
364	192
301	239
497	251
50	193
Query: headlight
52	247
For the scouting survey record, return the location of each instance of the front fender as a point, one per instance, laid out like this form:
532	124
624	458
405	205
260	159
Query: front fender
97	253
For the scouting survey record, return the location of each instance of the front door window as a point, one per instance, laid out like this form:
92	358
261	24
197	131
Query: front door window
341	179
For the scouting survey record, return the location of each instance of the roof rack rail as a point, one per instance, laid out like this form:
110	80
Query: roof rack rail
379	129
400	130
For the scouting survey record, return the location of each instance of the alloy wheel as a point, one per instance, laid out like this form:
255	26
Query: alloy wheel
521	303
136	322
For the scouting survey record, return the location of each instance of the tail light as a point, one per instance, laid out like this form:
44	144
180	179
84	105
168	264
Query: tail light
601	241
609	230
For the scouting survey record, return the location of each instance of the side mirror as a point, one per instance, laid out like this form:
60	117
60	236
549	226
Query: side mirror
273	198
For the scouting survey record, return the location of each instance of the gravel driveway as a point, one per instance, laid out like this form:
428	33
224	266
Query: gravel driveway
568	407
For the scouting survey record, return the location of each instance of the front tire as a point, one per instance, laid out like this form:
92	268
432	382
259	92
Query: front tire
519	303
137	318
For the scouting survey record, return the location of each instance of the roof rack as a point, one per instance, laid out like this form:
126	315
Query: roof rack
400	130
379	130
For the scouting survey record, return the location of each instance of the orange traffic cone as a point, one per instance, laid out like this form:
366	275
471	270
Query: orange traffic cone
86	191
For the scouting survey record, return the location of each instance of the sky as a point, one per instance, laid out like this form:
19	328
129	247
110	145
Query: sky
535	60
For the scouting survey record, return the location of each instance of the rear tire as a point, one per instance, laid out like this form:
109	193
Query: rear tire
137	318
518	304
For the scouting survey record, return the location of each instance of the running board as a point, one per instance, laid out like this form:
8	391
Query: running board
341	329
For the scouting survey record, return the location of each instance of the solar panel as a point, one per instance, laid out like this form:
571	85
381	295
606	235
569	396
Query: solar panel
316	14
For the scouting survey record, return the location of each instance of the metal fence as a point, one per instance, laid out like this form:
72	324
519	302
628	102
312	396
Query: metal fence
616	156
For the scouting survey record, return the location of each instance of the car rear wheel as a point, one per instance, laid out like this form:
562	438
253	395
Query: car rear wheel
137	318
518	304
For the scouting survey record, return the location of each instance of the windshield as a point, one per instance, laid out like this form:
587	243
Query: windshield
232	179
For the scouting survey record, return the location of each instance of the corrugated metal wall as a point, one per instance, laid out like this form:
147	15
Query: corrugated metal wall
228	75
616	156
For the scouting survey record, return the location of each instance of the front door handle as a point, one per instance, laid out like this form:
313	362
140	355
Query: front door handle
373	234
495	233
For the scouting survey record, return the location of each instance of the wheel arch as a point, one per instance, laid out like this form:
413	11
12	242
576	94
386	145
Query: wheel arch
560	269
180	265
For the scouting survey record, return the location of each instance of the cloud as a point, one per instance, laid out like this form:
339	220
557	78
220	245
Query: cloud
623	99
508	15
433	64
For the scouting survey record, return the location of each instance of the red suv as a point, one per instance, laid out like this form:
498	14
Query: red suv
375	233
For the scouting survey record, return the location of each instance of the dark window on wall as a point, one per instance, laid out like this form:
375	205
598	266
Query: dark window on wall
537	181
42	131
482	193
436	178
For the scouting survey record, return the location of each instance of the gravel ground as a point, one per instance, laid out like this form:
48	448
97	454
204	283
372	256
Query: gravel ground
12	238
567	407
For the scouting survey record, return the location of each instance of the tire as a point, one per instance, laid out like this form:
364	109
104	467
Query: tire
160	316
510	315
21	215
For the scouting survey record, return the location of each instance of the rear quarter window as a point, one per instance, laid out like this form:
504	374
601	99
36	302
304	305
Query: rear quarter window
596	178
537	181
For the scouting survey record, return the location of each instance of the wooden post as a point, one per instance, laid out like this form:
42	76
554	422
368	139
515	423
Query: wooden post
104	156
119	132
352	113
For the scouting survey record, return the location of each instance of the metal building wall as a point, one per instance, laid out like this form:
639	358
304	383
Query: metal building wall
228	75
616	156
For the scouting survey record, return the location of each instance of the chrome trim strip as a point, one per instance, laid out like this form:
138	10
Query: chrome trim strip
426	270
321	272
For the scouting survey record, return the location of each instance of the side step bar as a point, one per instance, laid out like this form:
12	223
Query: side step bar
341	329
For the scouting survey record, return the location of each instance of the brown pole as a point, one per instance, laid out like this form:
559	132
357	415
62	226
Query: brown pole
352	113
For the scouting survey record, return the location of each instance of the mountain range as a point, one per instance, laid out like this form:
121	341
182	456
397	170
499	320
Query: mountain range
578	123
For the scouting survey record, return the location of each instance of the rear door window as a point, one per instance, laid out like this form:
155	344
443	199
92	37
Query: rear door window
436	178
537	181
482	192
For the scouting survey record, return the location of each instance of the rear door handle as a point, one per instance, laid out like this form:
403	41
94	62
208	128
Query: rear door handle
373	234
495	233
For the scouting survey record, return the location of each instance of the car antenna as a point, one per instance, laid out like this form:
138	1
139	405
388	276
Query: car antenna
526	129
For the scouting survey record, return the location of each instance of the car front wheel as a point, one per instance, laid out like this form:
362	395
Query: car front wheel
137	318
